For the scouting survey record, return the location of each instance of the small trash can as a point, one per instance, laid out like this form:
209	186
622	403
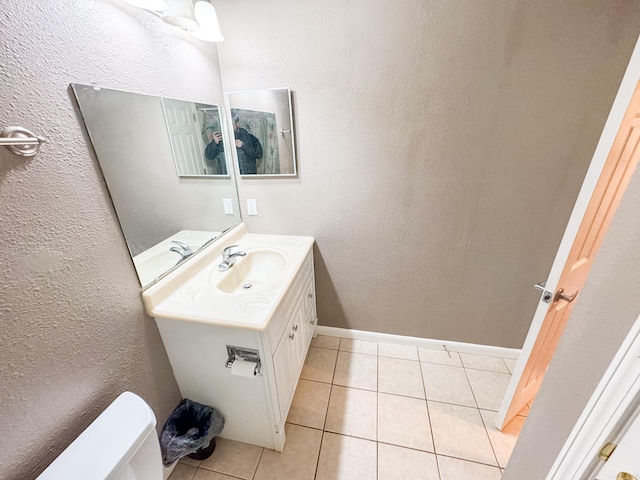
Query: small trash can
190	430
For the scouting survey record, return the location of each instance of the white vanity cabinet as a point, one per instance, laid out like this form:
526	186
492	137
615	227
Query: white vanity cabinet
292	345
255	408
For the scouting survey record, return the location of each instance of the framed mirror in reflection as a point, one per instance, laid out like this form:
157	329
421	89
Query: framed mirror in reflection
262	123
195	131
165	216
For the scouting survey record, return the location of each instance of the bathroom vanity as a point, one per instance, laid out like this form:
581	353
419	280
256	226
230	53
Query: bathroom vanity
237	339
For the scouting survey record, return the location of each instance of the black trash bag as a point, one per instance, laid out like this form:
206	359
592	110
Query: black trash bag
190	427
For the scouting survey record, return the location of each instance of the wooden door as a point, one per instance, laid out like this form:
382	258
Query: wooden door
615	176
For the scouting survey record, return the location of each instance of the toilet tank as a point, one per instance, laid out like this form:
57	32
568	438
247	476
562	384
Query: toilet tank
121	444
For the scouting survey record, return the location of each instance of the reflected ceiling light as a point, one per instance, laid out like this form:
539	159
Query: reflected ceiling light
153	5
209	29
180	14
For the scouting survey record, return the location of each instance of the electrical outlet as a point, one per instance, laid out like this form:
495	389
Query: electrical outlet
252	208
228	206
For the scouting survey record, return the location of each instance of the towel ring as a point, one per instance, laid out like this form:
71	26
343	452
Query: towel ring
21	141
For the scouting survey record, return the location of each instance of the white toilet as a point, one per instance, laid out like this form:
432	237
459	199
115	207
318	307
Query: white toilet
121	444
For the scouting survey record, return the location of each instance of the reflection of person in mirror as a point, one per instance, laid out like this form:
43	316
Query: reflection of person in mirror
215	153
249	149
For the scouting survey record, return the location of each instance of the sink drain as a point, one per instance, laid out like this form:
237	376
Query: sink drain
247	285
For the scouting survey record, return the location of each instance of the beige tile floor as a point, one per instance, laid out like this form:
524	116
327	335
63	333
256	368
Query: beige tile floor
375	411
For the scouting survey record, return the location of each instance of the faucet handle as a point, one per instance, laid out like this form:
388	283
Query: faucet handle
226	253
181	244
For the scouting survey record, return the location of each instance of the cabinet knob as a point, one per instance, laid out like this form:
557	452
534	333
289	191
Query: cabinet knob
295	328
291	336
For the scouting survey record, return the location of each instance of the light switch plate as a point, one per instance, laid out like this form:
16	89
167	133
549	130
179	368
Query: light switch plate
228	206
252	208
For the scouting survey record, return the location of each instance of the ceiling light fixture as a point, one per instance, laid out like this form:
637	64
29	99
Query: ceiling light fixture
152	5
180	14
209	29
201	21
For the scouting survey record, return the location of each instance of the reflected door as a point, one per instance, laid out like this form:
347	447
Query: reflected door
184	131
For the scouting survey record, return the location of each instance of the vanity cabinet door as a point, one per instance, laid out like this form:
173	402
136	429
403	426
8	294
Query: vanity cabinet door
289	357
293	342
309	313
298	352
284	372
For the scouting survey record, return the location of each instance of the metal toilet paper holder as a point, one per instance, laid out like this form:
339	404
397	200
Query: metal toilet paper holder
246	354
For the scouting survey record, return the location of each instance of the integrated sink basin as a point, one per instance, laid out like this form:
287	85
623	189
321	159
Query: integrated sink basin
244	296
259	268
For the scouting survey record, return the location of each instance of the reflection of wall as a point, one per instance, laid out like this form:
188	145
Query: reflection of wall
129	134
441	147
277	103
74	332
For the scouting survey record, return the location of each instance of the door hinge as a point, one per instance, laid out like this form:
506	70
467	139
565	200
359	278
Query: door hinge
607	450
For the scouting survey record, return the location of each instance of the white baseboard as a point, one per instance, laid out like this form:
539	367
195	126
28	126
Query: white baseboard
419	342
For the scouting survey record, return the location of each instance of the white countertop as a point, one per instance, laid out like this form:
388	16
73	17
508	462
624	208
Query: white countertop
158	259
189	293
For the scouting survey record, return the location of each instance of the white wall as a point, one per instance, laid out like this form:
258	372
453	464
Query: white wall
74	333
441	148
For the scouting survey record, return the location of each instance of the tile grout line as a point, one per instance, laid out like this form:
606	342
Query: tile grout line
490	442
377	407
333	374
315	474
508	372
505	363
482	419
426	402
469	461
258	464
216	472
471	388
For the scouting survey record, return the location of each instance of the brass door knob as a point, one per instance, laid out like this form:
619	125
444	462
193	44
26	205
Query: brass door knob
625	476
560	295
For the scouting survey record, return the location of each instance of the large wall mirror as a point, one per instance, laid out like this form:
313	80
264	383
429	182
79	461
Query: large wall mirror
165	216
262	123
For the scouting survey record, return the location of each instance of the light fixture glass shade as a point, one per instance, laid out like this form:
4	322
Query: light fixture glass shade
209	30
180	14
153	5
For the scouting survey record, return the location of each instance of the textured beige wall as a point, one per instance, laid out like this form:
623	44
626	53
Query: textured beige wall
608	306
441	146
73	332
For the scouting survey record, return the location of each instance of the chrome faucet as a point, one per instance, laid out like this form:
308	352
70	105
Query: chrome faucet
181	249
228	258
